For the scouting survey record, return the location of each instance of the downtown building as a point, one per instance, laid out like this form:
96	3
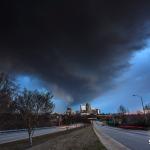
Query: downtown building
86	109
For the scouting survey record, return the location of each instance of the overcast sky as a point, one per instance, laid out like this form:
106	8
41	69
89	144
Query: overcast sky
82	51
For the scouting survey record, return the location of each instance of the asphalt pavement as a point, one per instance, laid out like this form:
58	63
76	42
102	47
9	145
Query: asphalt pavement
20	135
132	139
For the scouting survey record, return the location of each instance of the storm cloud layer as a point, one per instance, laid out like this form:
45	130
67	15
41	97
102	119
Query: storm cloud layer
76	47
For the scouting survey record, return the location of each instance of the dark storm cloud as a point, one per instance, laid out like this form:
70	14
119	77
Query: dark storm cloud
76	46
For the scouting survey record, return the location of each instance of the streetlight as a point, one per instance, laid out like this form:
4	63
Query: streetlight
142	106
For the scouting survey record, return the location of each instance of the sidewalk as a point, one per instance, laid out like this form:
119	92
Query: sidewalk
19	130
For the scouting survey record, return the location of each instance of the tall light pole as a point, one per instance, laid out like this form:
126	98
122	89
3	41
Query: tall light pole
142	106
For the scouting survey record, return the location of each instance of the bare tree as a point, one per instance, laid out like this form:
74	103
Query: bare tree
30	104
122	111
7	93
147	108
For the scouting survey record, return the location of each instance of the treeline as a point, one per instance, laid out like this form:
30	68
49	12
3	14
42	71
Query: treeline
124	118
77	118
139	118
13	121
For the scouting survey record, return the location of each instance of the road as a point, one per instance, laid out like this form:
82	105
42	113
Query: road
133	139
20	135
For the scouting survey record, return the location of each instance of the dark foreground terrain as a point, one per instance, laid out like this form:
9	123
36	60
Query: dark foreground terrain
76	139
